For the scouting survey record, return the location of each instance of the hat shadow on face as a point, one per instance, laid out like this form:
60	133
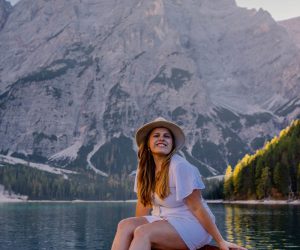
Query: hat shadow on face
143	132
147	139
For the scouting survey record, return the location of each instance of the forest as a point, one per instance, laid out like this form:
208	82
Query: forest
273	172
41	185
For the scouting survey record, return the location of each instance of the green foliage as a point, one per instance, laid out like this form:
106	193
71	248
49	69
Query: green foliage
298	180
228	183
281	179
39	185
80	162
116	156
264	184
213	189
272	172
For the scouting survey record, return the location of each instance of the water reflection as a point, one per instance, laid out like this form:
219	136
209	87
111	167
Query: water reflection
263	226
83	226
34	226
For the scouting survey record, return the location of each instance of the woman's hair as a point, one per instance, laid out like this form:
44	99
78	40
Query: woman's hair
147	183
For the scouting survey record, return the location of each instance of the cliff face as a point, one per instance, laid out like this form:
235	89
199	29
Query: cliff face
293	28
5	9
77	78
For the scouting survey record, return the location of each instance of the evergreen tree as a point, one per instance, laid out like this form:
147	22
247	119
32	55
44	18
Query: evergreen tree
298	181
281	179
264	184
228	183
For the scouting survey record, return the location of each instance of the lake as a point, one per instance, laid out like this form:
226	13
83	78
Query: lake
30	226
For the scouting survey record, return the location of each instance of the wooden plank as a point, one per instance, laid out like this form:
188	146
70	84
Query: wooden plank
206	247
209	247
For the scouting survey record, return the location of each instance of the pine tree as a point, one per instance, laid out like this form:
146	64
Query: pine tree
228	183
298	181
264	184
281	179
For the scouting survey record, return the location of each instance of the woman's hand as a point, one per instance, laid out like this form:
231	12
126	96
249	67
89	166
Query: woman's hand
225	245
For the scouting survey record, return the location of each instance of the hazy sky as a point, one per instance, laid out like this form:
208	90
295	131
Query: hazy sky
279	9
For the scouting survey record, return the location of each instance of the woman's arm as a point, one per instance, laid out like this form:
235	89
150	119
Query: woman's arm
195	204
141	210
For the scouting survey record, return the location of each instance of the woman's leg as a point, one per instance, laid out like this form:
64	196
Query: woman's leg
125	231
158	235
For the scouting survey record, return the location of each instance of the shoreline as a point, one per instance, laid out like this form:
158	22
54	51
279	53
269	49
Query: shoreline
256	202
240	202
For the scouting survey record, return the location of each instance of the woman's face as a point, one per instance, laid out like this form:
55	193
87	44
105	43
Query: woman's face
160	141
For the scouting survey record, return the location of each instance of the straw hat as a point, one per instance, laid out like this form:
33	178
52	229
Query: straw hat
160	122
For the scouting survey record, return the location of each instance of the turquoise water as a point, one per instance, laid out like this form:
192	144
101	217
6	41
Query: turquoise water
30	226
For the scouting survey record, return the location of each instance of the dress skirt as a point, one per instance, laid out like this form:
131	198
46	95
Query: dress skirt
190	231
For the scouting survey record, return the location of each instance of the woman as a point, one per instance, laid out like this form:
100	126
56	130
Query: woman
171	187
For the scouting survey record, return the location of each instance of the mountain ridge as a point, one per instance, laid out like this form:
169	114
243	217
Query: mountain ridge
5	10
292	26
76	79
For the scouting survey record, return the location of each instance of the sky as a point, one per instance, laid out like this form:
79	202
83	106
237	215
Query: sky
279	9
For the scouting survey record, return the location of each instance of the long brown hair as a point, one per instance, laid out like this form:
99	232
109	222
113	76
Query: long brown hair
147	183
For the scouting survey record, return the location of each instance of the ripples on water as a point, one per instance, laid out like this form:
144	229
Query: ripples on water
30	226
260	226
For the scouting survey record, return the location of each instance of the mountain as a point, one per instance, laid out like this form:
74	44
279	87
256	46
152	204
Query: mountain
77	78
272	172
292	26
5	9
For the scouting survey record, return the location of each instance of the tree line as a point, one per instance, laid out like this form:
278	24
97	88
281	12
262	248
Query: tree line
41	185
272	172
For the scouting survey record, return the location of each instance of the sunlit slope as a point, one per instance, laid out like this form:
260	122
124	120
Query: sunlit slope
272	172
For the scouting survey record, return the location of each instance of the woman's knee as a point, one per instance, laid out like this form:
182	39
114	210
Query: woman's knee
141	232
126	225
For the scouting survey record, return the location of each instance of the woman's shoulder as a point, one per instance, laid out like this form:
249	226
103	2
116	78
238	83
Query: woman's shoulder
178	162
182	172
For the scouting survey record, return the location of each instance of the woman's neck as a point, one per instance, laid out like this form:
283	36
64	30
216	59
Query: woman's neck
158	160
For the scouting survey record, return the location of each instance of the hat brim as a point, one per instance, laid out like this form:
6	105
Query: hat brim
143	131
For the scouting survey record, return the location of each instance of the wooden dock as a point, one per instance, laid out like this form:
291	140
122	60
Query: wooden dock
209	247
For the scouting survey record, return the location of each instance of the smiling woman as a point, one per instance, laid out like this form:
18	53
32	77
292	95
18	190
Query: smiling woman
160	142
170	187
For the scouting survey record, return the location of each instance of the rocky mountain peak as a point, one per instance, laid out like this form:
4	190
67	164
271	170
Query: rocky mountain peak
5	9
78	77
293	28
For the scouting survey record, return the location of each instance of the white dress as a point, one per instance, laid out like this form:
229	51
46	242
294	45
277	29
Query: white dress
183	179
